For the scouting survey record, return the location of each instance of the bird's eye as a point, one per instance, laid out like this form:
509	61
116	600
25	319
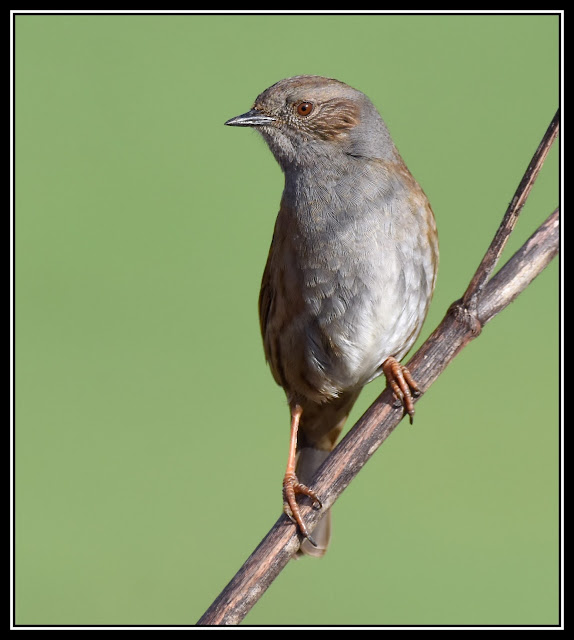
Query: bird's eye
304	108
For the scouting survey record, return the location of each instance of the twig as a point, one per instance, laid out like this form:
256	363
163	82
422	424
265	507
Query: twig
462	323
486	267
518	273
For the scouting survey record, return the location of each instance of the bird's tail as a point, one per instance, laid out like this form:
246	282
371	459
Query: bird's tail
319	430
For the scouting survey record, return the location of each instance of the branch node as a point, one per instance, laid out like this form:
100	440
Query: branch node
466	315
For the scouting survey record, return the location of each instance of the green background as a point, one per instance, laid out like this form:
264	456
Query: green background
151	439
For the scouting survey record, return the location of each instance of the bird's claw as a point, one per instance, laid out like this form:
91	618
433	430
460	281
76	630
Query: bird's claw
402	384
292	487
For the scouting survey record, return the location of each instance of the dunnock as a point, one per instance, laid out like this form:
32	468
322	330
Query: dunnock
351	268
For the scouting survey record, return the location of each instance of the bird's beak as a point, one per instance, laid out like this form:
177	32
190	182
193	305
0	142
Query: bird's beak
253	118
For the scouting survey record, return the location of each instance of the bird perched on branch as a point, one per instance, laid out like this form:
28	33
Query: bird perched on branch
351	268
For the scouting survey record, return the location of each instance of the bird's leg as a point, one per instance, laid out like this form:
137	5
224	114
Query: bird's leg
402	383
291	485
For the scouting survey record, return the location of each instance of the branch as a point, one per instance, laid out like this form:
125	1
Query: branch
462	323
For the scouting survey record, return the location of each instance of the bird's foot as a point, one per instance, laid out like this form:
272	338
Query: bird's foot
403	385
291	487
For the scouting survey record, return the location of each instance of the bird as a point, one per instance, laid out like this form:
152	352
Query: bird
350	272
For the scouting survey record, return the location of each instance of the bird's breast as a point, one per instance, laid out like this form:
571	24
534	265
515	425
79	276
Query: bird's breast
349	287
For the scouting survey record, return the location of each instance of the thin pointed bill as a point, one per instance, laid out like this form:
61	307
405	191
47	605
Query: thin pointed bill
253	118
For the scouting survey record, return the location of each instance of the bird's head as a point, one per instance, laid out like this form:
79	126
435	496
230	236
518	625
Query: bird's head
305	118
